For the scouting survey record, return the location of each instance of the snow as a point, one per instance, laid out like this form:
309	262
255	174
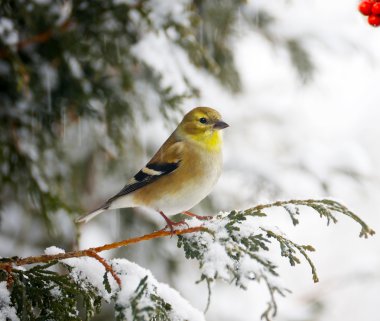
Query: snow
75	67
216	262
49	74
65	11
88	271
53	250
131	274
42	184
250	270
56	292
215	258
8	33
161	10
127	2
7	312
173	58
182	310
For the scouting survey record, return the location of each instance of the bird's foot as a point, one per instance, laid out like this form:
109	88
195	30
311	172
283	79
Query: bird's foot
171	224
199	217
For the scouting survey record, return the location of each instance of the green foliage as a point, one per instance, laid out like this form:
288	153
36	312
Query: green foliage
216	21
68	68
325	208
145	304
301	59
231	246
289	250
42	294
234	247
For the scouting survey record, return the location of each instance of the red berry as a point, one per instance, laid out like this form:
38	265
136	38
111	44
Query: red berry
376	8
374	20
365	7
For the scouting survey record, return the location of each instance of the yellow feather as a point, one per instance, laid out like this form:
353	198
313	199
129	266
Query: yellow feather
210	140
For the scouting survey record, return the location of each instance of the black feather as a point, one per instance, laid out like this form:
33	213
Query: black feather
163	167
143	179
140	176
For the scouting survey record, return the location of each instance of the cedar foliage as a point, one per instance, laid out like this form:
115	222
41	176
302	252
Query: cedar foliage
237	237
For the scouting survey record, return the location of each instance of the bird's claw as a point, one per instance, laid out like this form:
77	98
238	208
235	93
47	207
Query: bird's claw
199	217
170	226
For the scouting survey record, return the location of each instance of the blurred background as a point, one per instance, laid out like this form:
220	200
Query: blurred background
90	89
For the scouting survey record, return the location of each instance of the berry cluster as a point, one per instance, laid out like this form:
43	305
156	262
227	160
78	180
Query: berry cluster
371	8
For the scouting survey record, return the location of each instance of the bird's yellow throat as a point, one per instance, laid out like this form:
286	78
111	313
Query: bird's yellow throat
211	140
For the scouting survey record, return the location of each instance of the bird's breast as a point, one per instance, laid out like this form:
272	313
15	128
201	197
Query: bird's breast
186	186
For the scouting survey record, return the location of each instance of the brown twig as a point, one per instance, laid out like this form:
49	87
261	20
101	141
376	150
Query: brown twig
39	38
90	252
42	37
108	267
10	280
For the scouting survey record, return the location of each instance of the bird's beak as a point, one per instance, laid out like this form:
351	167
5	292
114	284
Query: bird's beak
220	125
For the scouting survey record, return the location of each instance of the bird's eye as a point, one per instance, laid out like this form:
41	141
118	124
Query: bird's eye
203	120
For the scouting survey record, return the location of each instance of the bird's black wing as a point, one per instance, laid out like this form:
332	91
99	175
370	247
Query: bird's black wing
150	173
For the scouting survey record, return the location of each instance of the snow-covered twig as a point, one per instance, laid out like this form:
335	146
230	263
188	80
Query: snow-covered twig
5	262
233	247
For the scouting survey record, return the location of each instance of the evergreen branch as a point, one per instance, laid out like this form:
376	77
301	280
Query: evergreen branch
42	294
16	261
229	246
287	250
39	38
43	37
324	207
271	310
301	59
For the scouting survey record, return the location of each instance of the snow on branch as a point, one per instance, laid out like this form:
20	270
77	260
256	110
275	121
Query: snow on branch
7	311
232	246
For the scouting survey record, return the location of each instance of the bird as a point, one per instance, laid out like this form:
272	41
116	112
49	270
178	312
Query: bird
181	173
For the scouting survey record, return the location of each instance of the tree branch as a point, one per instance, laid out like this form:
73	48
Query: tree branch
92	252
39	38
325	208
108	267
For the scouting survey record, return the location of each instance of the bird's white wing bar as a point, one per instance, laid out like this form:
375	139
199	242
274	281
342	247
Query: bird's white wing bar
150	173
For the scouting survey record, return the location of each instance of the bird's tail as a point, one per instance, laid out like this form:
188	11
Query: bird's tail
90	216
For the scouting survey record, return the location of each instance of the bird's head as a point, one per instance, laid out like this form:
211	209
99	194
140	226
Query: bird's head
203	124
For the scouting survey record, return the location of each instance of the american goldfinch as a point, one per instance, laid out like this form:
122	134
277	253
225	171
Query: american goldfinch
182	172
